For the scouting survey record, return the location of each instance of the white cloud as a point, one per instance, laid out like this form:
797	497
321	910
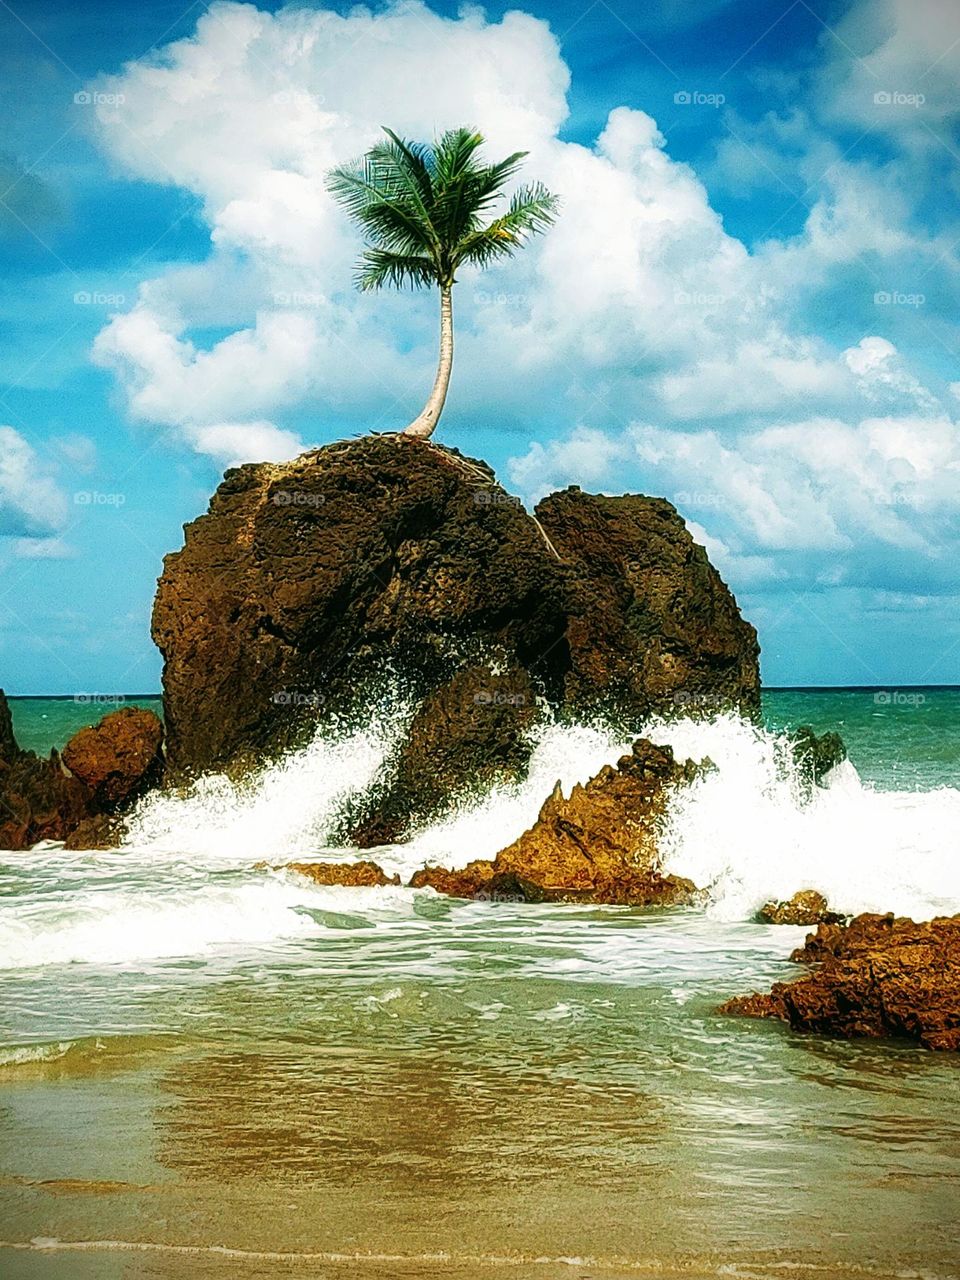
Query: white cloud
902	76
792	450
33	508
798	501
637	291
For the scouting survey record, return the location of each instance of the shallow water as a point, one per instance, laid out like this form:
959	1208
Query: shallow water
211	1070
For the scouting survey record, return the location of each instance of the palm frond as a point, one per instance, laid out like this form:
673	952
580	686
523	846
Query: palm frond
532	210
378	267
421	208
453	153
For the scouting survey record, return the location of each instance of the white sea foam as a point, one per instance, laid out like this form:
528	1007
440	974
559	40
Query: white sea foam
283	811
747	833
186	883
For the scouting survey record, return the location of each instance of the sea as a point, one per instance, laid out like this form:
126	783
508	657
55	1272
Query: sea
212	1068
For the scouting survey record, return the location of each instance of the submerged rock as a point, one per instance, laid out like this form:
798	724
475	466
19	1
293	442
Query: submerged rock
816	754
309	583
876	976
805	907
597	845
464	883
355	874
78	796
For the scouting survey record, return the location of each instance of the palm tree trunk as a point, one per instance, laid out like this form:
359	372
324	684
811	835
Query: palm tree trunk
423	425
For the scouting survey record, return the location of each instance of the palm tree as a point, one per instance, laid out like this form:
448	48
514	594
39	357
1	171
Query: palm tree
421	209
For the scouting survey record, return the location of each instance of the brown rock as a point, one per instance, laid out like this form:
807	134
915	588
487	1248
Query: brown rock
464	883
109	766
598	845
102	831
877	976
307	583
39	800
9	751
604	833
806	907
118	758
355	874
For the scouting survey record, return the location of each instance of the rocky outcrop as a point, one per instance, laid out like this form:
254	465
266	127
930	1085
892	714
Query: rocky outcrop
464	883
597	845
816	754
117	759
807	907
354	874
9	751
77	796
876	976
310	585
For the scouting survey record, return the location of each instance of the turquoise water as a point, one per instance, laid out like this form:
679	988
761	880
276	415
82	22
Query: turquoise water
923	725
211	1068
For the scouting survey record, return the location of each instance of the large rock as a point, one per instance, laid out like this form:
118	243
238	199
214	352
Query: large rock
118	758
877	976
310	585
597	845
77	796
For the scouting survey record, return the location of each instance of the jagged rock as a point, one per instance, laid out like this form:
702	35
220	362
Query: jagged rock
816	754
109	766
118	758
806	907
464	883
308	583
9	751
102	831
597	845
355	874
650	623
603	832
877	976
39	800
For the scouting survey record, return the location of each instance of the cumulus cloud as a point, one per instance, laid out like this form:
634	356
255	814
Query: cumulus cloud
33	508
687	361
638	292
902	76
804	501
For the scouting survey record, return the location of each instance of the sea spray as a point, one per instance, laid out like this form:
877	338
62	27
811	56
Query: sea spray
187	882
748	831
284	810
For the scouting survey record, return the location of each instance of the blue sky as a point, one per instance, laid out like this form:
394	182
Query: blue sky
749	304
